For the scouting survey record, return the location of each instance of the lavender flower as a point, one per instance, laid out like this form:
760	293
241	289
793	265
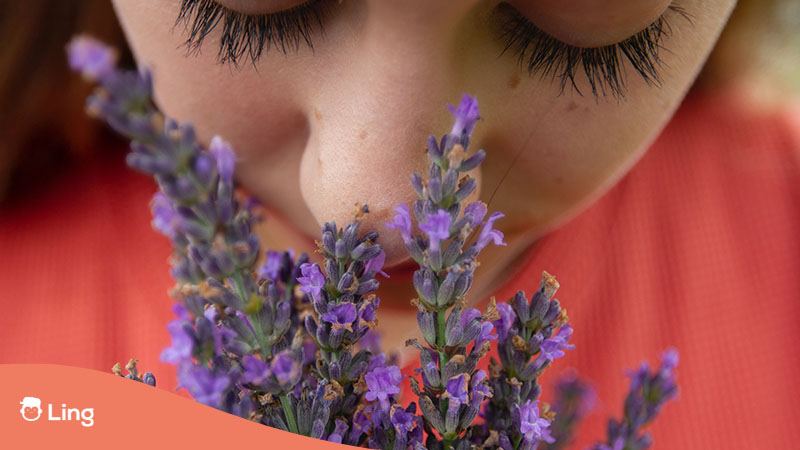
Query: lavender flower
649	391
575	399
165	218
402	222
223	154
92	58
437	227
488	234
255	370
383	382
312	280
183	340
466	115
285	368
554	348
533	428
271	267
206	386
456	391
341	316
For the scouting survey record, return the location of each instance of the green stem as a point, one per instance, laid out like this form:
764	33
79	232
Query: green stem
287	410
446	444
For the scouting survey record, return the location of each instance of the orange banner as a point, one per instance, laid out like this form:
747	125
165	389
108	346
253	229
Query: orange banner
52	406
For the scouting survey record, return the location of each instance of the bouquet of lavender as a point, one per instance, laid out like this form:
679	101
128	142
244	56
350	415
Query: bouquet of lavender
288	343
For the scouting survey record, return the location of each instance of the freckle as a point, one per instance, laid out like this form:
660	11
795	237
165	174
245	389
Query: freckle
319	161
513	82
572	106
362	135
559	180
317	114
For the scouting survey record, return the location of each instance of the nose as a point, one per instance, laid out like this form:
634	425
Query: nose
369	123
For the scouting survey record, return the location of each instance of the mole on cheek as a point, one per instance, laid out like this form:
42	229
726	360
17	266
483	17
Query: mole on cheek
362	135
572	106
513	82
317	114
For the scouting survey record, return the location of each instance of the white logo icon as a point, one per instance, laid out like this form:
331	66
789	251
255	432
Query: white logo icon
31	408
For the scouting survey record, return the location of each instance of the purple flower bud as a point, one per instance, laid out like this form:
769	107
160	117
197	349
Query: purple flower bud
479	385
381	383
366	311
473	161
456	390
183	340
225	157
339	431
533	428
375	264
402	222
437	227
285	369
149	379
506	320
554	347
204	385
341	316
271	267
312	280
165	218
403	422
478	211
468	315
90	57
255	370
669	359
466	115
488	234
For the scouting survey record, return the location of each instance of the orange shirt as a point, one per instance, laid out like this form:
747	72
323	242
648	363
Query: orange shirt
698	247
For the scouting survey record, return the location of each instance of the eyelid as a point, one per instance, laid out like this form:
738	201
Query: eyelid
259	7
603	66
591	23
250	35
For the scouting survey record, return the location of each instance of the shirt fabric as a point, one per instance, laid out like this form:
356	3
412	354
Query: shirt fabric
695	248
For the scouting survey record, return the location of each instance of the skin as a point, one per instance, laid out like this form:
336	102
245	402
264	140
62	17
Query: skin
316	132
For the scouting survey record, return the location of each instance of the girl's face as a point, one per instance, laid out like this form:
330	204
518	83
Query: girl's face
317	130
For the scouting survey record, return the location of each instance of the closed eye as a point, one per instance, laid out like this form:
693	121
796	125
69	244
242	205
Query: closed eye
604	66
250	35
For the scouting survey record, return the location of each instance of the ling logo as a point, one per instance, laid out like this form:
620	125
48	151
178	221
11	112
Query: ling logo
31	410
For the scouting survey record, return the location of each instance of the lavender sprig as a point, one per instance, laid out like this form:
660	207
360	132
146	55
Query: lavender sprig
452	391
574	400
237	339
243	337
649	392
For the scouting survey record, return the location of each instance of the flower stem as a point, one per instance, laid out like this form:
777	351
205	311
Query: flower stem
287	411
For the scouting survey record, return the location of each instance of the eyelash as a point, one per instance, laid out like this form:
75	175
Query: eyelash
250	35
604	66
